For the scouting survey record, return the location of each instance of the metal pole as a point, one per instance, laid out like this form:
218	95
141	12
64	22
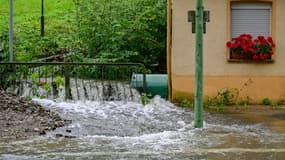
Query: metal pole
11	33
198	117
42	20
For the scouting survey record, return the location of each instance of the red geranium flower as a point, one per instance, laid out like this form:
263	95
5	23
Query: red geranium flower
259	48
255	57
229	45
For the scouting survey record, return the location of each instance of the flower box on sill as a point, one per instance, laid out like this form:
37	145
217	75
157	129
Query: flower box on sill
242	57
236	55
244	48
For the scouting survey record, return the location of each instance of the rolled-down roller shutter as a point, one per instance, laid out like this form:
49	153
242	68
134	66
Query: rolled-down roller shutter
252	18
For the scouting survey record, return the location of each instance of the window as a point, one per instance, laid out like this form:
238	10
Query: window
255	18
251	18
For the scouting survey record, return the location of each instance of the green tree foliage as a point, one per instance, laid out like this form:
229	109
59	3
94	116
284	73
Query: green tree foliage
28	45
123	31
104	30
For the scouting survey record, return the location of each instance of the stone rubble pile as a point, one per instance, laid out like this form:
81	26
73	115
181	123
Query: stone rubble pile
20	118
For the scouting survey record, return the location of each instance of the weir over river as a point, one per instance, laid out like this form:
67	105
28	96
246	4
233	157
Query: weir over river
117	126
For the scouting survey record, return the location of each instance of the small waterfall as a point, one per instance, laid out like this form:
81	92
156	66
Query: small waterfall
80	90
93	90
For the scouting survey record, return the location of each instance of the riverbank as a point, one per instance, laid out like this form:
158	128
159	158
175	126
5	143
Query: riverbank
20	118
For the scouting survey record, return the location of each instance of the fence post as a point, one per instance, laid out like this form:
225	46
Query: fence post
67	83
11	33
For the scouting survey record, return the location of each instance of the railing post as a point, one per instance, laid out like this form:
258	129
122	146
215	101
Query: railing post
67	83
145	71
144	82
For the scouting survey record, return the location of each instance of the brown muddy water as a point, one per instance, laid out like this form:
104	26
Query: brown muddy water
159	130
267	115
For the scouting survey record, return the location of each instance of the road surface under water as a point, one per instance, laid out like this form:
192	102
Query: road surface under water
130	130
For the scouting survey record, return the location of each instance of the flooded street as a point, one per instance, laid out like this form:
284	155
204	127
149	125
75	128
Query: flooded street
159	130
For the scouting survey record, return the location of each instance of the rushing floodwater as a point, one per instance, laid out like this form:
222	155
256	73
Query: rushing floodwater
106	125
159	130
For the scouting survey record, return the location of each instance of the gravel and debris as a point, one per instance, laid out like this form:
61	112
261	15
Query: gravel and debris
20	118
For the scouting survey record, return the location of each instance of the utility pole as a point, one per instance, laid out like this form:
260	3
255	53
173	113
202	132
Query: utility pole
198	115
42	20
11	33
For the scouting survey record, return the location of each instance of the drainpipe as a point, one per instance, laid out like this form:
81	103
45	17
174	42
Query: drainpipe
169	44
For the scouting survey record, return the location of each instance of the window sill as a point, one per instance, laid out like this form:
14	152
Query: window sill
251	61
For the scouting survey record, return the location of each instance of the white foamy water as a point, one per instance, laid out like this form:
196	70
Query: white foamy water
130	130
80	90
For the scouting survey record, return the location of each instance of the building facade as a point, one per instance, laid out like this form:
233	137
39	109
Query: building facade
251	79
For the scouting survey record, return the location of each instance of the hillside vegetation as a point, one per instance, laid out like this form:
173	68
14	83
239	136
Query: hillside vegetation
92	30
28	45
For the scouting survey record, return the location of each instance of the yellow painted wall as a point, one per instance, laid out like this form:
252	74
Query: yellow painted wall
269	78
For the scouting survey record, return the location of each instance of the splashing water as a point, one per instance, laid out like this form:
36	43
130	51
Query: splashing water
109	123
129	130
80	90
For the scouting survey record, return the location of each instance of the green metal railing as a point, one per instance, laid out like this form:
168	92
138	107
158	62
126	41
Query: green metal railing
39	73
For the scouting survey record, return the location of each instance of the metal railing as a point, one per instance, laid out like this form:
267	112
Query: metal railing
40	73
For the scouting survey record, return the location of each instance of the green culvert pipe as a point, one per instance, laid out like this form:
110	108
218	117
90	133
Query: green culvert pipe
156	84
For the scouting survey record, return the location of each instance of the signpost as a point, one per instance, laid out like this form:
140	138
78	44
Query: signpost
199	20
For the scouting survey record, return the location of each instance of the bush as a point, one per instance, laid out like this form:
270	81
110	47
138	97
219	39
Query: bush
266	101
123	31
